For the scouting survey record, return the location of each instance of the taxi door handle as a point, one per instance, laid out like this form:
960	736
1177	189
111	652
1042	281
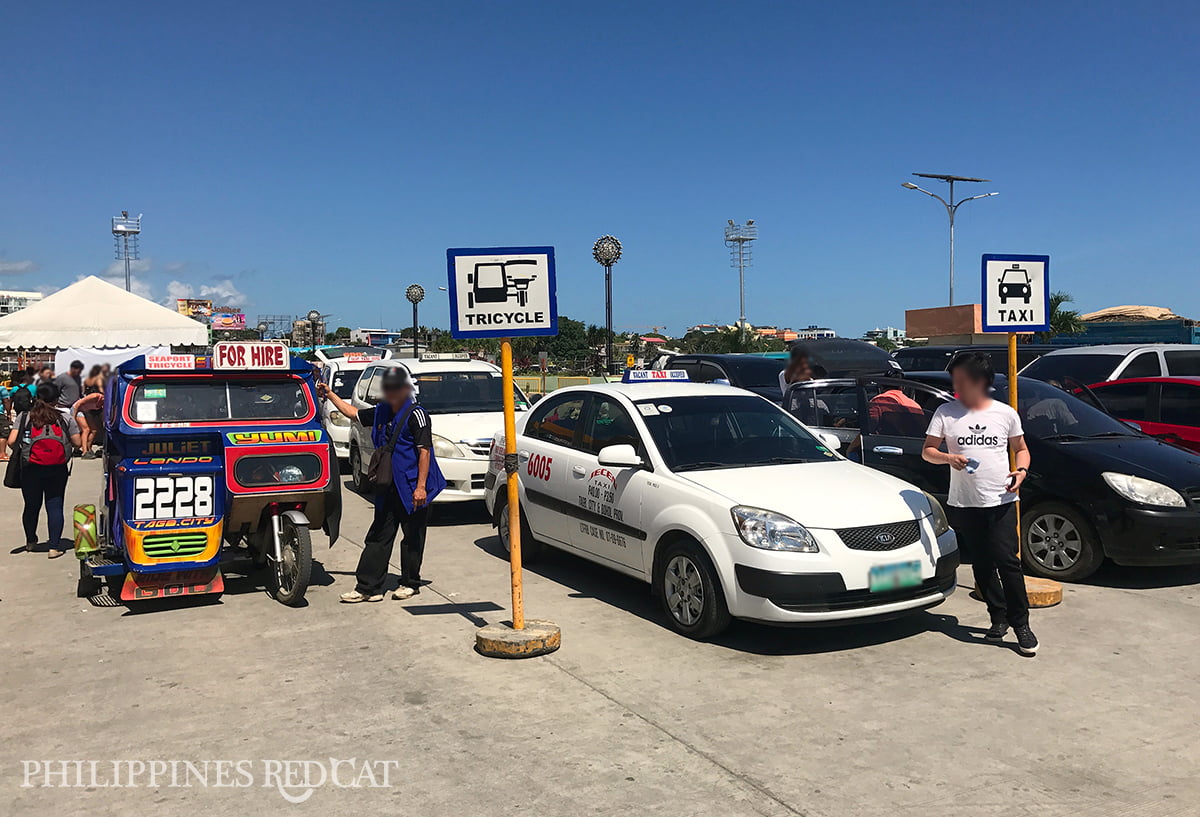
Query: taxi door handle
522	455
889	450
579	471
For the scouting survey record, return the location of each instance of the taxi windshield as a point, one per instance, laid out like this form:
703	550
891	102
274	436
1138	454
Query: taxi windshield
735	431
212	399
464	392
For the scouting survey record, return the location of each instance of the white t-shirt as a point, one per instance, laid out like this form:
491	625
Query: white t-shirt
982	435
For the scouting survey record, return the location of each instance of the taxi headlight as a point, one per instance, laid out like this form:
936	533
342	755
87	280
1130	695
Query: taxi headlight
1144	491
937	515
338	419
447	448
772	531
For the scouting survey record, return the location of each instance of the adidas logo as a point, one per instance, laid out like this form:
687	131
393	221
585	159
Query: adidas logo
977	429
977	437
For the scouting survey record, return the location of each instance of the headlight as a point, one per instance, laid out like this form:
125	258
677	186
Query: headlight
290	473
447	448
938	516
772	531
1144	491
338	419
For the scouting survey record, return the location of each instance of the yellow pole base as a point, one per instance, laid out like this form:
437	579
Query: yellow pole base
1043	592
502	641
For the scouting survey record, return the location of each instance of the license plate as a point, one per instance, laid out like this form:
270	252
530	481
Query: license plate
897	576
174	584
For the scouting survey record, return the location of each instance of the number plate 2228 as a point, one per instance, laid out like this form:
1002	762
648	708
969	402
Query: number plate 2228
174	497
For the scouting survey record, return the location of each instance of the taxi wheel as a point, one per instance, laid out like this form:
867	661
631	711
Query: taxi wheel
357	474
531	549
1057	542
690	592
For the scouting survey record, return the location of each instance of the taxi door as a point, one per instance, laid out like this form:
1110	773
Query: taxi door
896	415
544	450
608	522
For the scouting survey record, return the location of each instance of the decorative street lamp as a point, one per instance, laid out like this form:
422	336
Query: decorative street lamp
262	327
951	207
415	294
607	251
314	317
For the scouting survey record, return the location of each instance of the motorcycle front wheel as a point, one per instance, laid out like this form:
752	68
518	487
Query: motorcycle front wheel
294	570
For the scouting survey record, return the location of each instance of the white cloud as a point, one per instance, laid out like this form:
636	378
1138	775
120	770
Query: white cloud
117	269
17	267
222	292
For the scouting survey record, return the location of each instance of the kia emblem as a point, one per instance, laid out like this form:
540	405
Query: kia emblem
885	538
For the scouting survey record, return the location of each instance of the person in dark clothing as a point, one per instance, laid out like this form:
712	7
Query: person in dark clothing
404	506
43	439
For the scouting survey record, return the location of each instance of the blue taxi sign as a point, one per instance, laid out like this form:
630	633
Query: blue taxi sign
655	376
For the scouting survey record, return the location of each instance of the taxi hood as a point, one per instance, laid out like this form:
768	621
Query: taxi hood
471	425
825	495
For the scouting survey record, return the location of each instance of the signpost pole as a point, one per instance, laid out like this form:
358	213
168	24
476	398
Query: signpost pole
510	468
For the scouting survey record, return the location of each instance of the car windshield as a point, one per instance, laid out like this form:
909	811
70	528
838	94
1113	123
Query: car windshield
1086	368
735	431
344	382
213	399
755	372
464	392
1048	413
923	360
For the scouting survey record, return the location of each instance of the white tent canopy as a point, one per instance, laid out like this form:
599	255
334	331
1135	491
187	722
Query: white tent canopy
94	313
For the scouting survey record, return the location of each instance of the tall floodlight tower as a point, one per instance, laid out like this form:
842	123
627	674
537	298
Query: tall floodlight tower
125	232
737	239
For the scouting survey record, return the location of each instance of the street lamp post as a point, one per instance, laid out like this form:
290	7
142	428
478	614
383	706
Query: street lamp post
262	330
415	294
314	318
951	207
607	251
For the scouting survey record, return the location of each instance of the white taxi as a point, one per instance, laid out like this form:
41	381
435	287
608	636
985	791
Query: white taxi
724	502
340	367
465	400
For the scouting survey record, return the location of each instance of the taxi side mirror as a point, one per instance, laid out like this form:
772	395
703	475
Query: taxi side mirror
831	441
620	456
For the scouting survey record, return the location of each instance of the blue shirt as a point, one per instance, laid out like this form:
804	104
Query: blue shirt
416	434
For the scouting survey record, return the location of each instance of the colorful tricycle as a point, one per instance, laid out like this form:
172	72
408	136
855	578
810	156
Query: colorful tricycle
209	461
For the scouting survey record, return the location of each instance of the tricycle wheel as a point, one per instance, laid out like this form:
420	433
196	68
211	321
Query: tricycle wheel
294	570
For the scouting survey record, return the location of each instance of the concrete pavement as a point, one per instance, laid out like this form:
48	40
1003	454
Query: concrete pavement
911	717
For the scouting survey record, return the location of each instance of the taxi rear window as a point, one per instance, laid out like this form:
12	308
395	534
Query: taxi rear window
178	401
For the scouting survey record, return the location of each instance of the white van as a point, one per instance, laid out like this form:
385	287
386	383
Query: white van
464	398
340	368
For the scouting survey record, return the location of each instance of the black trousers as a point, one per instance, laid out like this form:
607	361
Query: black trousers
390	517
989	536
48	484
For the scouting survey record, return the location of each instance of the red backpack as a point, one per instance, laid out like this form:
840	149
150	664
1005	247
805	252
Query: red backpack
48	445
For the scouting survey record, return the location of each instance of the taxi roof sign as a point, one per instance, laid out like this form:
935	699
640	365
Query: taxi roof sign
237	354
655	376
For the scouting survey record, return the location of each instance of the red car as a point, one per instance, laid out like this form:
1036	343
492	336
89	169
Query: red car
1163	407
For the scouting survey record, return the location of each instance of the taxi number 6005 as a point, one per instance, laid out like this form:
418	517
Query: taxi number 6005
538	466
176	497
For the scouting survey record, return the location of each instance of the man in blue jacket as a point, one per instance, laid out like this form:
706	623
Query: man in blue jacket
404	506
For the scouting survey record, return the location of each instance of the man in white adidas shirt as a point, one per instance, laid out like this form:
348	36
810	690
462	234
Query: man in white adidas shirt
978	432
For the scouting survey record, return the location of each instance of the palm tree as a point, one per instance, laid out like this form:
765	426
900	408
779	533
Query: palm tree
1062	321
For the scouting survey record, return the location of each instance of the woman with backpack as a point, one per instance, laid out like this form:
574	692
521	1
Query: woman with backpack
42	440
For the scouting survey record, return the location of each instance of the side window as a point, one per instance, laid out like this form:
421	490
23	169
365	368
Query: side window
555	419
1129	401
692	367
360	389
609	424
899	410
1180	405
1144	365
710	372
1183	362
375	387
825	406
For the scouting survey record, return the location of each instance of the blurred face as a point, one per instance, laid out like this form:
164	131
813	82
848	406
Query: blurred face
47	372
397	396
798	370
971	390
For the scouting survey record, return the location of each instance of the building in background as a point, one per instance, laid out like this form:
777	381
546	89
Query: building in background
308	333
1133	324
889	333
815	332
703	328
12	300
375	337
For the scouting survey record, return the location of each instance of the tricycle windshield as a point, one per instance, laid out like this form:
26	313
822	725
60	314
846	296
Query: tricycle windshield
173	400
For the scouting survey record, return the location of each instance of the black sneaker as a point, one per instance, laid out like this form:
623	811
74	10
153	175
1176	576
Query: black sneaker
1027	642
996	632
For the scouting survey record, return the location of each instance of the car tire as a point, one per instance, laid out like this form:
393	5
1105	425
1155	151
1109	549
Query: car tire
531	548
1058	542
358	475
689	591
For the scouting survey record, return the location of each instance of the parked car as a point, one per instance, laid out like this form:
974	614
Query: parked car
340	368
937	358
1096	488
1164	407
750	372
464	398
1092	364
724	504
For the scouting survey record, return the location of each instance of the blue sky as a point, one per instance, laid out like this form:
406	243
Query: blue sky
297	155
